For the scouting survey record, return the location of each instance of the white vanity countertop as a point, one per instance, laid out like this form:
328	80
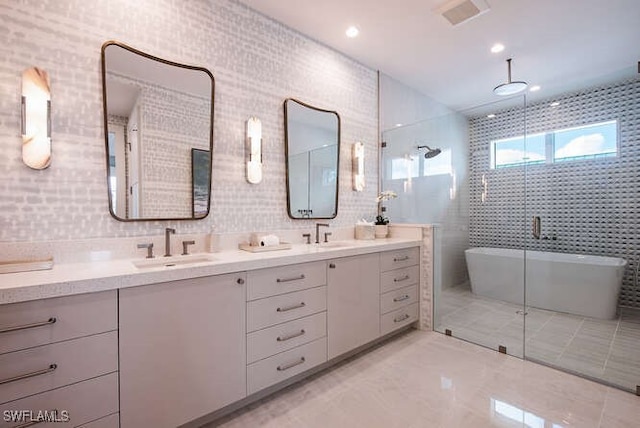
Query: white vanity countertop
75	278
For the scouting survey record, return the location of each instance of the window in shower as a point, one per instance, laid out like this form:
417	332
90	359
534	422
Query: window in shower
586	142
518	151
593	141
404	167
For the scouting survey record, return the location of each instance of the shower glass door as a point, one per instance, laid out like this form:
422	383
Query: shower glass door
474	203
499	155
582	295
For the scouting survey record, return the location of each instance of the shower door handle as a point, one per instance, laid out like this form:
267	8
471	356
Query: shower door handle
535	227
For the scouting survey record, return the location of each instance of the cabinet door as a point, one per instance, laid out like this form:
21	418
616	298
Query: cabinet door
353	302
182	350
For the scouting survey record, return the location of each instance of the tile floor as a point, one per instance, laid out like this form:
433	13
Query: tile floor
426	379
608	350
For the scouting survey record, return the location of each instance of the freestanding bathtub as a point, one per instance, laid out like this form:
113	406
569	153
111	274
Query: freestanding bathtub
577	284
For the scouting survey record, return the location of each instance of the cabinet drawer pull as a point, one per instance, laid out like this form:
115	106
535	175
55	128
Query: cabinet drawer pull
49	369
401	298
32	423
402	318
290	336
291	365
402	278
51	320
292	307
240	281
295	278
400	259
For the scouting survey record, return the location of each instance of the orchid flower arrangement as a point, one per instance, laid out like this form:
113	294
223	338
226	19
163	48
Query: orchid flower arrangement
384	196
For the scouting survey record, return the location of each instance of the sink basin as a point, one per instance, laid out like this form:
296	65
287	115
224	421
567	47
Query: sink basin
169	262
334	244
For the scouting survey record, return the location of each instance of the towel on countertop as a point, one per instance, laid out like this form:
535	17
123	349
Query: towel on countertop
264	240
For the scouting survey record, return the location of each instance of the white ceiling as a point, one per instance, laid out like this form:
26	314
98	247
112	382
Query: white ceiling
561	45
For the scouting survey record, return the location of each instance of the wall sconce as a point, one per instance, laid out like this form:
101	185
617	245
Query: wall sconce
36	118
254	148
357	166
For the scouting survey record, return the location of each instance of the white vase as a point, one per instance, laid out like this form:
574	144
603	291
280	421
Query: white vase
382	230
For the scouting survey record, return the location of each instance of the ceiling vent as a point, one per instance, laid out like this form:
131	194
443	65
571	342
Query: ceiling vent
459	11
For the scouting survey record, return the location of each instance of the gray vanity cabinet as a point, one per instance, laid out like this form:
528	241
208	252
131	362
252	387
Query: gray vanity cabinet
353	302
182	349
399	285
60	356
286	322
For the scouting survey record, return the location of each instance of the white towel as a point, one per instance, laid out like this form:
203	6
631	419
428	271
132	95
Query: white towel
269	240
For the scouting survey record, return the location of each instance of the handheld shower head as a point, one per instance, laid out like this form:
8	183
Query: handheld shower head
431	153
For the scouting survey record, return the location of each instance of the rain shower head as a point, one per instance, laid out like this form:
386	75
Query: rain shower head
431	153
510	87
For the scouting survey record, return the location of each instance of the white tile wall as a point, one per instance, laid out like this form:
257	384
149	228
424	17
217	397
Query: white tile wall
591	205
257	63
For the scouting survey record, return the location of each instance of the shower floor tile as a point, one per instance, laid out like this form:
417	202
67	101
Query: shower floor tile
608	350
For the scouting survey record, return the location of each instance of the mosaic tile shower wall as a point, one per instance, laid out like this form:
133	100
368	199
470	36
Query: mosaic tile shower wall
256	62
591	205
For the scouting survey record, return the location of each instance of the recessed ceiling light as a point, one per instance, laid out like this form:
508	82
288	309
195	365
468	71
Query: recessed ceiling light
491	116
534	88
352	32
554	104
398	124
498	47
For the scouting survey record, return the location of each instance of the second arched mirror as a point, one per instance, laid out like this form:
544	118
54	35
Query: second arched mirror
312	151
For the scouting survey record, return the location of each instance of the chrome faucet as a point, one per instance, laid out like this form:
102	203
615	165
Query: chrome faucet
167	241
318	225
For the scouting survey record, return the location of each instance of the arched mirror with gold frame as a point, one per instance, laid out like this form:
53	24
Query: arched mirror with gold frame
158	121
312	152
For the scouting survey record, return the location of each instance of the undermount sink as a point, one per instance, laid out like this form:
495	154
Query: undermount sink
172	261
334	244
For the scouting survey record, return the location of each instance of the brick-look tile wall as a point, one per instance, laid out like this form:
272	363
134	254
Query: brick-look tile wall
256	62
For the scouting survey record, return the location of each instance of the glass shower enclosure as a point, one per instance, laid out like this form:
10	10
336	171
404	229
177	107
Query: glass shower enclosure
536	209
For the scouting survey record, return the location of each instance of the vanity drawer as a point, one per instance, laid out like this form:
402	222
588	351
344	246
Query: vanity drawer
273	340
285	279
84	402
111	421
399	278
28	324
399	258
275	369
278	309
399	298
51	366
399	318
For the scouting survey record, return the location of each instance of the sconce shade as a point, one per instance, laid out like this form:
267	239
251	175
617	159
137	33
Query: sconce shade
254	150
36	118
357	165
